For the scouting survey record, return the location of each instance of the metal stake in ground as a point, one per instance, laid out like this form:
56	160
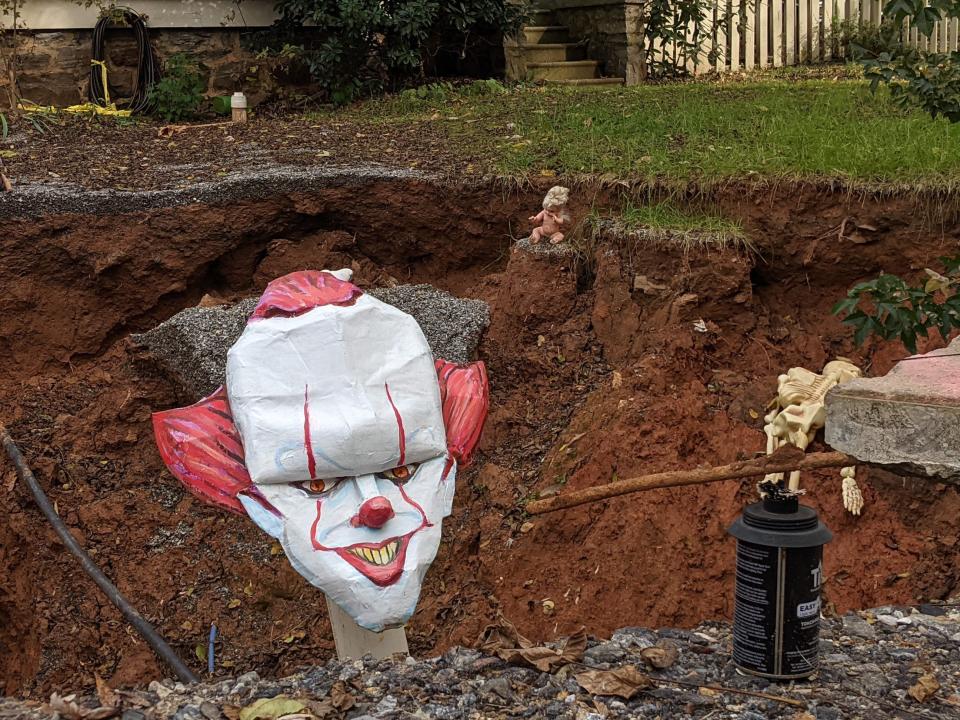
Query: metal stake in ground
786	459
146	630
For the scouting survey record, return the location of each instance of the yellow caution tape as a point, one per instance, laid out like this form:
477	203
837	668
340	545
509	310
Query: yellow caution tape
108	108
103	76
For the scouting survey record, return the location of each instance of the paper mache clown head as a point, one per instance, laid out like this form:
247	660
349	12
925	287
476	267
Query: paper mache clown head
337	434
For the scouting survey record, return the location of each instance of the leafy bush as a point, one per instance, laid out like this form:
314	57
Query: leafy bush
929	81
665	25
178	94
890	309
354	47
858	40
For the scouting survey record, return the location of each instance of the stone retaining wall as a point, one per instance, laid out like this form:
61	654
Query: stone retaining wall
54	67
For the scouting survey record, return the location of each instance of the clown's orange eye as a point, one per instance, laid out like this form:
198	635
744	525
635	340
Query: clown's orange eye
400	474
318	486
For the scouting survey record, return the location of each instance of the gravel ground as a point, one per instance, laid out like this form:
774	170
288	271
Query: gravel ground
192	345
37	200
890	662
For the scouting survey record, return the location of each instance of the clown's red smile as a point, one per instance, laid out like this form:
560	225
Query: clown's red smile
382	563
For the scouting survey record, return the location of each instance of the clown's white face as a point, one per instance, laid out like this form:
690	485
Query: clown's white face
367	541
332	434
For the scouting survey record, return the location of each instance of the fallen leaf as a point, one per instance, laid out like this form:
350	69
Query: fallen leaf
548	173
502	639
662	655
548	607
107	694
707	692
925	688
276	549
624	682
617	379
70	710
298	635
235	603
526	527
271	708
341	698
186	625
200	650
8	153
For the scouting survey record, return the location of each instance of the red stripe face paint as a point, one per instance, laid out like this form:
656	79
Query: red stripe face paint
403	438
307	443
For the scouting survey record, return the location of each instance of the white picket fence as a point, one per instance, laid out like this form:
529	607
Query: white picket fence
750	34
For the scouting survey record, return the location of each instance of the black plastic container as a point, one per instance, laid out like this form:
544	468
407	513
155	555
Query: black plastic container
776	618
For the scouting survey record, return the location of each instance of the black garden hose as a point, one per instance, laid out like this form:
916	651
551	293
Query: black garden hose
148	69
146	630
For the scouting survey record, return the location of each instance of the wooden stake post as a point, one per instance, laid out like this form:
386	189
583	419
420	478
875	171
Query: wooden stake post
354	642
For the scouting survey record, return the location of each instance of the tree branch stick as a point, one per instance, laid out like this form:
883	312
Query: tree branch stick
786	459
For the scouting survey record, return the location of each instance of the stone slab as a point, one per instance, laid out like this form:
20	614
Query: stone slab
908	420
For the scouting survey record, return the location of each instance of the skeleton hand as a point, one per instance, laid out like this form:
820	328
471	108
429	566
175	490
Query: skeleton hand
852	497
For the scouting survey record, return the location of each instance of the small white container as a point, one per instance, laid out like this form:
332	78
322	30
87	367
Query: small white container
238	107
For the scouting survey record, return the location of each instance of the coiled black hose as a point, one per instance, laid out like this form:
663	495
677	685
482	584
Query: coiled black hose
146	630
148	69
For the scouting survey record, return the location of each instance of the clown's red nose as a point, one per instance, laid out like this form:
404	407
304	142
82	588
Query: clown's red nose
375	512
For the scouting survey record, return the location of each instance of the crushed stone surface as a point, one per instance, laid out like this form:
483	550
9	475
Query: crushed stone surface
889	662
39	199
545	247
192	345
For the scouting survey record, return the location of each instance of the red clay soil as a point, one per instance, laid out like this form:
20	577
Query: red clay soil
591	380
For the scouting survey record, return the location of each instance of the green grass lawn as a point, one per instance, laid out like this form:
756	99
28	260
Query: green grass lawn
768	128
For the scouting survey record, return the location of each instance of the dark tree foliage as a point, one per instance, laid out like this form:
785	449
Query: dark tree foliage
354	47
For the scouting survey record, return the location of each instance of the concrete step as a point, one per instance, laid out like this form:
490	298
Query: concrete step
546	34
569	70
591	82
553	52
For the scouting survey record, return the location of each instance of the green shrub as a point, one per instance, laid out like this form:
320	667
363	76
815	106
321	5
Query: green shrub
929	81
178	94
891	309
855	40
354	47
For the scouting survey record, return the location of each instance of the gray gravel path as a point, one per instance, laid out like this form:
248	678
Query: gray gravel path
871	664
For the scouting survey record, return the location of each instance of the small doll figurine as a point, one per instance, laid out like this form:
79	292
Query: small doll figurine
554	218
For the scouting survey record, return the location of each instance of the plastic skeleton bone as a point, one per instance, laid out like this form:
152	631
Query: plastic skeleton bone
800	413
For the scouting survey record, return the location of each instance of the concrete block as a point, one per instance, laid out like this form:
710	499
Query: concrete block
908	420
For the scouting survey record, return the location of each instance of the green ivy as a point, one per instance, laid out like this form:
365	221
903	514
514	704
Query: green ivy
890	309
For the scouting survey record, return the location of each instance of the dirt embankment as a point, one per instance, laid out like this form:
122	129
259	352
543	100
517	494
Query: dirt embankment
593	377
